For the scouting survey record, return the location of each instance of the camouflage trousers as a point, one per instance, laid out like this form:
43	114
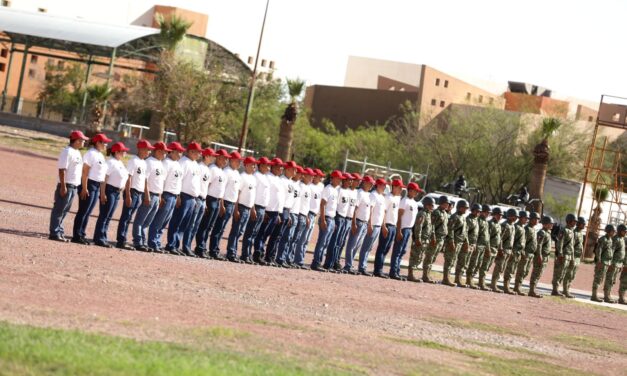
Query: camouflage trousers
500	263
600	270
571	271
431	254
623	282
486	262
522	271
538	268
417	253
559	269
610	277
450	255
463	259
512	265
474	260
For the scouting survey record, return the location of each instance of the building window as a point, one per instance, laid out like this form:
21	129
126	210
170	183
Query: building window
445	83
590	118
3	67
4	52
442	104
468	96
491	100
32	73
480	100
433	102
437	82
33	59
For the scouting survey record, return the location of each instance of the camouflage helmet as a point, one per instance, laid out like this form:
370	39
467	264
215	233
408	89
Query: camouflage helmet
534	215
570	218
609	228
427	201
523	214
497	210
443	200
475	207
581	221
461	204
621	227
511	213
486	208
546	220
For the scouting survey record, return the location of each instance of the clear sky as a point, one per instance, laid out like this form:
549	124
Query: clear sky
571	46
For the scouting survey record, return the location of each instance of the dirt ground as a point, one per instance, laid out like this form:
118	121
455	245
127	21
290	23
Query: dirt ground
359	324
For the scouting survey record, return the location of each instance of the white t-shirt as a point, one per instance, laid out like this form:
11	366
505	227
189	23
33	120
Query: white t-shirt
137	170
247	189
330	196
71	161
155	173
117	174
352	202
410	210
343	202
377	201
262	189
295	209
191	177
305	198
277	194
173	176
97	165
391	209
289	188
205	175
233	184
316	193
217	182
363	205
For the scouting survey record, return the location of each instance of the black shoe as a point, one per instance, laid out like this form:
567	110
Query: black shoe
58	238
85	241
318	269
215	256
302	267
104	245
234	259
201	254
157	250
248	261
188	253
79	241
285	266
174	251
142	248
124	247
260	262
398	277
291	265
381	275
365	273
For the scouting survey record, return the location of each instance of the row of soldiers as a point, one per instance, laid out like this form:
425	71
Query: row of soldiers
472	243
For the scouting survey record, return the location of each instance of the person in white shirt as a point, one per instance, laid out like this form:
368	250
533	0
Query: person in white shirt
354	180
377	202
408	209
69	165
186	202
231	193
215	193
315	188
115	180
297	256
359	223
287	238
388	231
278	248
208	158
171	191
262	199
342	224
155	178
328	210
244	209
134	191
94	170
269	231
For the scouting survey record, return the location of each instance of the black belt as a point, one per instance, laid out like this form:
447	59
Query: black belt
114	187
154	194
70	185
136	191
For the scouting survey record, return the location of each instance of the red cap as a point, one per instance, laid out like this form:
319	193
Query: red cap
222	153
398	183
414	186
208	152
249	160
144	144
101	137
118	146
309	171
299	169
356	176
75	135
337	174
236	155
381	181
277	162
264	160
347	176
319	172
194	146
161	146
368	179
290	164
175	146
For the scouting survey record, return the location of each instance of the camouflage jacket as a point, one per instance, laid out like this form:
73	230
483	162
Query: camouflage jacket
484	232
519	238
578	243
472	225
531	240
457	230
495	234
439	220
605	250
507	236
565	245
544	243
423	229
618	245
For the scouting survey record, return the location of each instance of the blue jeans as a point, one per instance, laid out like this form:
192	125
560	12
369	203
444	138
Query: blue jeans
341	241
85	207
265	231
60	208
385	242
127	213
286	238
106	213
180	221
322	244
194	224
277	234
237	230
399	251
298	233
367	247
252	229
303	240
162	218
354	243
212	209
143	219
335	242
218	229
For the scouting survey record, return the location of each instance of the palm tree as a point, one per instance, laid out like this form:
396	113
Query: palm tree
541	154
295	89
600	195
97	95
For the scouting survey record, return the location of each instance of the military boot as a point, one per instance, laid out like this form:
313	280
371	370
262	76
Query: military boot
411	277
517	288
425	275
532	291
469	282
607	297
445	279
493	286
594	296
482	285
506	287
458	279
566	291
555	291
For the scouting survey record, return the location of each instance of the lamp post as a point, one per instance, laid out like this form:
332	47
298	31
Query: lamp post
251	90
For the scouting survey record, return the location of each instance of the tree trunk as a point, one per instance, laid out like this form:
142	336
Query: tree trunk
286	135
538	173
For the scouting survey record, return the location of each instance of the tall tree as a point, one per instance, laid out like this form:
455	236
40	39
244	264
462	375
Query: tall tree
541	154
295	89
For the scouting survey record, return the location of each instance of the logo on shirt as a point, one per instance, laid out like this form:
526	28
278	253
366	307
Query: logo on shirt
353	201
393	206
344	200
290	189
205	178
315	196
176	174
295	193
306	195
139	170
250	187
411	208
157	172
219	179
100	162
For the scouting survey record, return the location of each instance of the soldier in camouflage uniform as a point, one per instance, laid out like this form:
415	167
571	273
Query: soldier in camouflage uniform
505	251
623	283
456	239
439	219
604	253
618	244
531	243
517	251
564	252
483	242
571	267
541	257
494	229
422	233
472	227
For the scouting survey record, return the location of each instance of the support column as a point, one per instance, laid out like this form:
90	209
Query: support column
109	73
84	104
5	92
16	107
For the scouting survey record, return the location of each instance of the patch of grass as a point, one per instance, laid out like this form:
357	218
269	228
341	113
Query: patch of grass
463	324
437	346
277	324
39	351
518	350
591	344
213	333
592	306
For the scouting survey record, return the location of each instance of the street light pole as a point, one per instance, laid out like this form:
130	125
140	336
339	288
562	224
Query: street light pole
251	90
